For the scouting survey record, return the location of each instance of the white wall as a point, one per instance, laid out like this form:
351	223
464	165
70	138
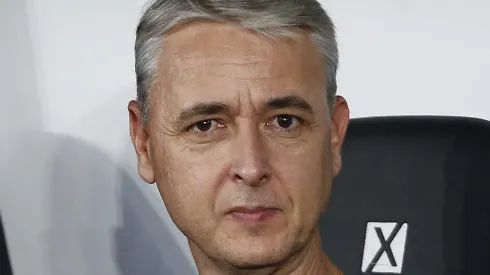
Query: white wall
69	192
414	57
71	199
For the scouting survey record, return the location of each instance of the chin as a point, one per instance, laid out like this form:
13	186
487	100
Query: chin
256	252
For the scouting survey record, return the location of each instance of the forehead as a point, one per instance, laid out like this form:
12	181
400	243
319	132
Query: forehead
205	60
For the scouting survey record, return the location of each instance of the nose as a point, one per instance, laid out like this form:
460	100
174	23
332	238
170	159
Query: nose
250	163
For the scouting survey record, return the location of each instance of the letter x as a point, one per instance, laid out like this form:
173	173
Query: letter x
385	246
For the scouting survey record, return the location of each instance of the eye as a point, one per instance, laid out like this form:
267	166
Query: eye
285	122
206	126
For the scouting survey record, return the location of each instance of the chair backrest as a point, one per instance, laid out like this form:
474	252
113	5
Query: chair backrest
5	268
413	197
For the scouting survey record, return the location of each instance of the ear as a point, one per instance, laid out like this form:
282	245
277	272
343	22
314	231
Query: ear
339	122
141	142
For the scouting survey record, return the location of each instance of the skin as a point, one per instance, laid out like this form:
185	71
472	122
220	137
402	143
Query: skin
238	119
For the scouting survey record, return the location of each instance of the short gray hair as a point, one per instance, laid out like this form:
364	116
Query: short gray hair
273	18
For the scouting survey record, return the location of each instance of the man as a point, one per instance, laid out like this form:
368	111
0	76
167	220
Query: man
238	122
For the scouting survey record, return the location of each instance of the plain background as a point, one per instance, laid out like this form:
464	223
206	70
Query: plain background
70	196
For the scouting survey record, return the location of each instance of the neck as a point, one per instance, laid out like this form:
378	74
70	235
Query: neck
310	260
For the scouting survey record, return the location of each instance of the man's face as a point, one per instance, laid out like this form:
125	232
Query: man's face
240	141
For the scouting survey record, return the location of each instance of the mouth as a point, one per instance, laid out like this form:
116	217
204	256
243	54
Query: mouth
252	214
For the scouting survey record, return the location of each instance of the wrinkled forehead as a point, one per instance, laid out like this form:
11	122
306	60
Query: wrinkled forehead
204	62
210	44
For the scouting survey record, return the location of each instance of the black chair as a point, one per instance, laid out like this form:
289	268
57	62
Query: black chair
5	268
413	197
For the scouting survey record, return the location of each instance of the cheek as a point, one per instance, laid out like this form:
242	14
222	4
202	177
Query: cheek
305	174
188	182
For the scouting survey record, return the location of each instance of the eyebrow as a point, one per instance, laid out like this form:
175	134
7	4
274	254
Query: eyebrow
212	108
291	101
202	109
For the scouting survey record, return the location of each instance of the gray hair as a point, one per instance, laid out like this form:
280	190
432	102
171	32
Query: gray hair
272	18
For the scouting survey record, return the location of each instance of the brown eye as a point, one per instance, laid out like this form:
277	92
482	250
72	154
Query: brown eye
204	125
285	122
